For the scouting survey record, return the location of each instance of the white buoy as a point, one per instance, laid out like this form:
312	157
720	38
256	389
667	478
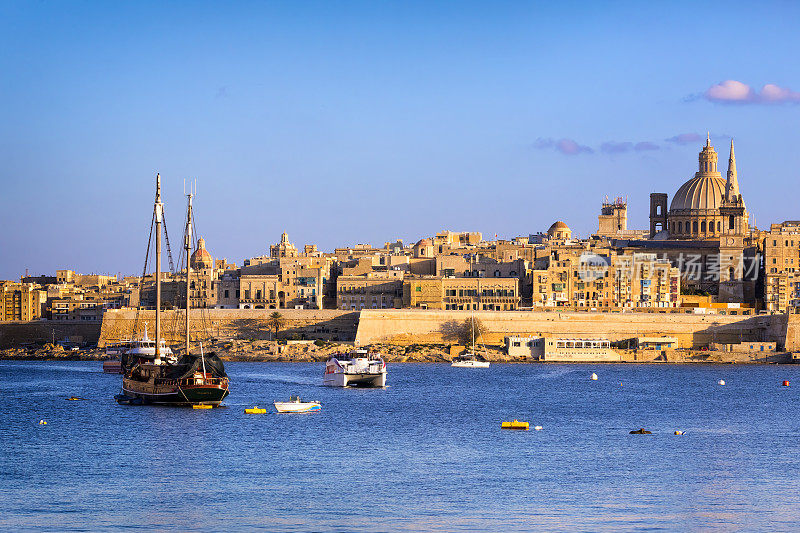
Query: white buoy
42	422
679	432
594	376
537	428
721	382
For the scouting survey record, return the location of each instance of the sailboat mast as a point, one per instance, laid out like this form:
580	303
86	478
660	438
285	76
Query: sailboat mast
472	315
188	248
159	213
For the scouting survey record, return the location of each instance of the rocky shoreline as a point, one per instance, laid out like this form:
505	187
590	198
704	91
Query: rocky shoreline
265	351
319	351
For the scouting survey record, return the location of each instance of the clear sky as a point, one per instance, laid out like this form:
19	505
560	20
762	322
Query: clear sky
361	122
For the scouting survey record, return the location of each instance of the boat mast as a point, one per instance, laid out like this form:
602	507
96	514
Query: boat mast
472	315
187	245
159	213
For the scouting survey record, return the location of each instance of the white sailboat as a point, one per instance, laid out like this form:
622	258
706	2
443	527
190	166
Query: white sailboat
469	359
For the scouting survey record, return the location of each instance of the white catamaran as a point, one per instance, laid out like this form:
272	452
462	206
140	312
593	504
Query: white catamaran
359	368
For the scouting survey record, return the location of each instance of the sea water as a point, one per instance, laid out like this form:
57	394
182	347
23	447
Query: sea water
424	454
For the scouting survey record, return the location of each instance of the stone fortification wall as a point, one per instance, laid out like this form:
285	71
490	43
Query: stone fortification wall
16	334
404	327
248	324
792	343
426	326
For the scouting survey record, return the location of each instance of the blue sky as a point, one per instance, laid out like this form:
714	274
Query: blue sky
362	122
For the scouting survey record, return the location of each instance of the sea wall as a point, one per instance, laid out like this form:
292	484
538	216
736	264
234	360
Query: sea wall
247	324
401	326
18	334
406	326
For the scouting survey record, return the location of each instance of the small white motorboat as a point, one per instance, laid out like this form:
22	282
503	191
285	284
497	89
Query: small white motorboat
296	405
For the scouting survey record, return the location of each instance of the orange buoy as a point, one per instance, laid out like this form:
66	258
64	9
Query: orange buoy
785	382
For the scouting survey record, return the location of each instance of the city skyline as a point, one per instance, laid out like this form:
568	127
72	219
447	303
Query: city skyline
365	123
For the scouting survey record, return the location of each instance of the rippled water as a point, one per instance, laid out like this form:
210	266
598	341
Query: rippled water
426	453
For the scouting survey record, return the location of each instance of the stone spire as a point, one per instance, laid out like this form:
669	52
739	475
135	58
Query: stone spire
732	183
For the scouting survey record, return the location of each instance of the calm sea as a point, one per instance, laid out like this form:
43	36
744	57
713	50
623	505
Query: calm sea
426	453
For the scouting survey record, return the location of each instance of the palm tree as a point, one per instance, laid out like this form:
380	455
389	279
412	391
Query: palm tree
276	321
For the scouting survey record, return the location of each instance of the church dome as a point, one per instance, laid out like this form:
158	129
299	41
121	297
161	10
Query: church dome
201	258
559	231
703	191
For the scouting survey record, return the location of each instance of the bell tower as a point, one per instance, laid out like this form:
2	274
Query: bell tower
658	212
731	241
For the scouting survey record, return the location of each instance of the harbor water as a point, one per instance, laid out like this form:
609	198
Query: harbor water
424	454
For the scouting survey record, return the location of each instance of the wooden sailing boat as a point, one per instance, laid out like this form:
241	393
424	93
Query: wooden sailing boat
188	380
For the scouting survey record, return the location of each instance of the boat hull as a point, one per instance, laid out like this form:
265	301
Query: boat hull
295	407
352	379
156	394
470	364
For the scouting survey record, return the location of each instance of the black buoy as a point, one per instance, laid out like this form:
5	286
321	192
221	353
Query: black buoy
641	431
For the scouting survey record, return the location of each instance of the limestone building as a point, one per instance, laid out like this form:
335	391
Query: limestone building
432	292
374	290
21	301
782	268
283	248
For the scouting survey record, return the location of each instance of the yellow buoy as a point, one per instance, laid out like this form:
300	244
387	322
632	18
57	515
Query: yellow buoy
255	410
678	432
42	422
516	424
201	406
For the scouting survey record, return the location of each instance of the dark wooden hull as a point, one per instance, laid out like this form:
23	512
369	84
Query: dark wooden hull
171	394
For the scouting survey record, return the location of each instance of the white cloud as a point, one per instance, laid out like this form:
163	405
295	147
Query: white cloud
736	92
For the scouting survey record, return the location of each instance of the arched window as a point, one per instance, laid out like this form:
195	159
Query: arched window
694	227
731	273
731	222
719	225
672	227
680	227
703	226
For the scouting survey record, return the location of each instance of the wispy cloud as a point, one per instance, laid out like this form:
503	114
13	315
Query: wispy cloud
614	147
646	146
685	138
564	146
736	92
568	146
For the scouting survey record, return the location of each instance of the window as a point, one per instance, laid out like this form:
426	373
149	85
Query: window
226	294
731	222
694	227
418	288
703	226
